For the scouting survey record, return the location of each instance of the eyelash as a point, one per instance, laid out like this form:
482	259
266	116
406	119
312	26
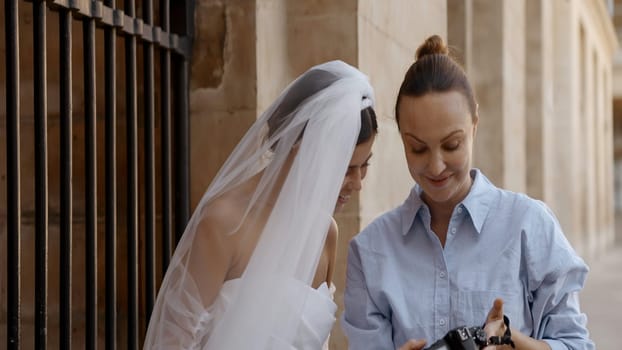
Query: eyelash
363	166
449	148
452	147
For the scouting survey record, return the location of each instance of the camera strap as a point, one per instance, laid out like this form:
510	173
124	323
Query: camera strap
506	339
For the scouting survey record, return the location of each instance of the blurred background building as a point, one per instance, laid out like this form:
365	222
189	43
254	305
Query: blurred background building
547	75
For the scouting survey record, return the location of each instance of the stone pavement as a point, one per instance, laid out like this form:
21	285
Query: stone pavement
601	299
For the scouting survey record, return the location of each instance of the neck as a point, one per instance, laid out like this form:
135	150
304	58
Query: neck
440	212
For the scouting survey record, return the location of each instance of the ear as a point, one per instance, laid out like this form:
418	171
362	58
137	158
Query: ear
475	119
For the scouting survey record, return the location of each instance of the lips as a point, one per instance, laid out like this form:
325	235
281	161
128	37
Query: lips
343	199
439	181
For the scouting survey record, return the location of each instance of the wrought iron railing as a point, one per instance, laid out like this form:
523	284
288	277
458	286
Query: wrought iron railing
155	199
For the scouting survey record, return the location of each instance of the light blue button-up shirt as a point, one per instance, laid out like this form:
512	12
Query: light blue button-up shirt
402	284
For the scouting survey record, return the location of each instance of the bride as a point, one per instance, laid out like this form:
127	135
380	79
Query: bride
253	269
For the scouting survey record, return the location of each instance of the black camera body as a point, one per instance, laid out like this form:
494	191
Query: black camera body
461	338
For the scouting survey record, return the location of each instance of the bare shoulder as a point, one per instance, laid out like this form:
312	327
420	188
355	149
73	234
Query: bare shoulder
213	248
215	227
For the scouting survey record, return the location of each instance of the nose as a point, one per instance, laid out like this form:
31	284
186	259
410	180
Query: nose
436	164
354	179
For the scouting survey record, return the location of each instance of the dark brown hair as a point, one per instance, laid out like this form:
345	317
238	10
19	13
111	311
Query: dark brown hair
308	85
435	71
369	125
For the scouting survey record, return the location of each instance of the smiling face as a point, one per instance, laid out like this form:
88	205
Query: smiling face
357	169
437	131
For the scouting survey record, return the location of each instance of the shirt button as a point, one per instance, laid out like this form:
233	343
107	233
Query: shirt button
460	210
453	230
442	322
442	274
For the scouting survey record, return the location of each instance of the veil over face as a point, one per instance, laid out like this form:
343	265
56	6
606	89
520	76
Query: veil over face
275	195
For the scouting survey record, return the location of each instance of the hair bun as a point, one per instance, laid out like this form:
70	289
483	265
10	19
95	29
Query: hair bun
433	45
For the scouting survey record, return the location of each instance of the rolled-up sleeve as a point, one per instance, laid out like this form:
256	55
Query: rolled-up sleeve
363	323
556	276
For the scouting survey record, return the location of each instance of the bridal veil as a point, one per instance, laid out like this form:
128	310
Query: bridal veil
297	153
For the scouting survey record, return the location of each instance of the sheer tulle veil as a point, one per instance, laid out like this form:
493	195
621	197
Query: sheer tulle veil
293	160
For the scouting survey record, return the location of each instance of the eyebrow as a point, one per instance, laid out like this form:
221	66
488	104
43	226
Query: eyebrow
366	160
443	140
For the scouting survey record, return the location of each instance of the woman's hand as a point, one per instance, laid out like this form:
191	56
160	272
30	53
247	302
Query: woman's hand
413	344
494	325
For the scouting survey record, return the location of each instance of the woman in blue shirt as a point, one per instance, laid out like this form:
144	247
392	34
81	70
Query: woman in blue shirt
459	251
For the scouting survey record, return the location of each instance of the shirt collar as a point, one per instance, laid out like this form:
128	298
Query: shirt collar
477	203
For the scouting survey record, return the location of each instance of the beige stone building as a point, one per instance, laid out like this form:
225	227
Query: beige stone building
617	115
542	73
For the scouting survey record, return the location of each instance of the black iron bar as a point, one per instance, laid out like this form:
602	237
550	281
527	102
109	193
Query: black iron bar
149	149
181	68
41	173
111	182
132	183
13	206
91	181
182	166
66	134
165	139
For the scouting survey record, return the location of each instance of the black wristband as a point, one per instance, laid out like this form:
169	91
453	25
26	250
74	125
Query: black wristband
506	339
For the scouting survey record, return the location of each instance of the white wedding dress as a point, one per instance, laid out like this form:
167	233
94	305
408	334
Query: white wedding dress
316	319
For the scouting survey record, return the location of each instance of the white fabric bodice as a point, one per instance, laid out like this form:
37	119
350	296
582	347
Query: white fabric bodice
316	322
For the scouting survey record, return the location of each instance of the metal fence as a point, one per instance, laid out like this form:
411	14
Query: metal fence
155	199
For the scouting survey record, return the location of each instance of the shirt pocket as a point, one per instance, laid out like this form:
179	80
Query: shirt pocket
473	306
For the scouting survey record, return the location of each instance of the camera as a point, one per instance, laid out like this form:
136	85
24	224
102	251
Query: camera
461	338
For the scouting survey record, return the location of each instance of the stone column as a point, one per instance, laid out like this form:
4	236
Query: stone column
459	31
498	76
272	57
539	95
565	146
605	213
599	195
610	158
589	156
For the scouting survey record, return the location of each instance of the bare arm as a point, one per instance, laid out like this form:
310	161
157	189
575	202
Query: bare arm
209	260
331	250
326	265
